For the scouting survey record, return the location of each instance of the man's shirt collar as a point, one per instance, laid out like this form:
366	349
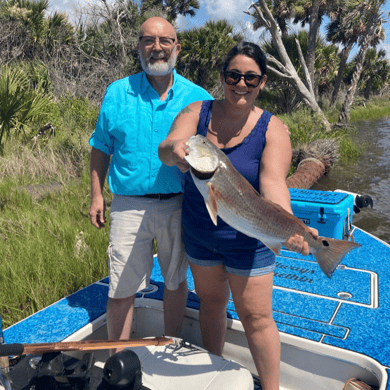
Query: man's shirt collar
145	85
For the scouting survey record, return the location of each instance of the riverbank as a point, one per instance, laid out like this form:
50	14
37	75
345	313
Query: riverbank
48	248
369	175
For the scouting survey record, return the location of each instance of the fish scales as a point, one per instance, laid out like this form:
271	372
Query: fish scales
239	205
230	196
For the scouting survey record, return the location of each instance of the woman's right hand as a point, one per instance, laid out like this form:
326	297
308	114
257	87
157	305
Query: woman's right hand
179	151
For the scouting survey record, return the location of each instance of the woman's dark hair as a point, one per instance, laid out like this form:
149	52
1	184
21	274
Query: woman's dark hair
248	49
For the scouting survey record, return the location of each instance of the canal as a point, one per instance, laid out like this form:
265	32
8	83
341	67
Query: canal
370	175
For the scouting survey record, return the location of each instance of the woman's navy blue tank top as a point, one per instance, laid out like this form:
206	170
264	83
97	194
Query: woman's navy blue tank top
245	157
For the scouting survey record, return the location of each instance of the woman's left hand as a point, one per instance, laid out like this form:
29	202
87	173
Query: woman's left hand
297	243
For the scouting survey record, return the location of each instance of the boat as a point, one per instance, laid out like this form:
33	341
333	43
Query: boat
334	332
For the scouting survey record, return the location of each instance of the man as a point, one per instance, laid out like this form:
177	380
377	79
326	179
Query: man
135	116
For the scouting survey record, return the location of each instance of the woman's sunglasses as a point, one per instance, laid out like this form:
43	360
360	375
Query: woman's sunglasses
251	80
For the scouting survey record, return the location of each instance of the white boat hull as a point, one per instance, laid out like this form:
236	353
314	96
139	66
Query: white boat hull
305	365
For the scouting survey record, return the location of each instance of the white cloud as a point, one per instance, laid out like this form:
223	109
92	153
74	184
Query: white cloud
233	12
182	23
59	3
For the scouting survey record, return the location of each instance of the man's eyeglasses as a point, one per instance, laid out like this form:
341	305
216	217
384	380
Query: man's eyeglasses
251	80
164	42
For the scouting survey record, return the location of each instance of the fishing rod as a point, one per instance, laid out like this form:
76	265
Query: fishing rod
84	345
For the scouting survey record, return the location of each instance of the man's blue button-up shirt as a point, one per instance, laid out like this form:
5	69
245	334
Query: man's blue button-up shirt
132	122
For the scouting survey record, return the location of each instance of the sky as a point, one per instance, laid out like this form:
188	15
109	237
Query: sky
231	10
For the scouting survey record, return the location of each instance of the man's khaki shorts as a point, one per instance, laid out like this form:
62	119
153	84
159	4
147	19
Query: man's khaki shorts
135	223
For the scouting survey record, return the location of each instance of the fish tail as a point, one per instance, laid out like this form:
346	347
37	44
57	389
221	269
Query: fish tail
331	252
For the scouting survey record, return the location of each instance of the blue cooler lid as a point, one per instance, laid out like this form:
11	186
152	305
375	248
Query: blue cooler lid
316	196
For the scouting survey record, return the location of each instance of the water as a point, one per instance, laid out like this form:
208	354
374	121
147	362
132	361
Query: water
369	176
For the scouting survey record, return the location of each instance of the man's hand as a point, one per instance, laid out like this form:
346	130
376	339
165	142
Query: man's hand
297	243
97	213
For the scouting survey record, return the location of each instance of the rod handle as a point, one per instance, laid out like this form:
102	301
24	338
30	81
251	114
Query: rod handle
11	349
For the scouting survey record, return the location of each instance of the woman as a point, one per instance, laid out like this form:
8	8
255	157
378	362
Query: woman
220	257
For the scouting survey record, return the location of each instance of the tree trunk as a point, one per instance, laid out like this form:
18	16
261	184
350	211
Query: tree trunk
287	70
309	171
367	91
314	161
203	77
2	128
343	61
346	109
313	33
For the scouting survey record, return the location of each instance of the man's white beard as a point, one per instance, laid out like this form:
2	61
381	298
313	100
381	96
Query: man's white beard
158	69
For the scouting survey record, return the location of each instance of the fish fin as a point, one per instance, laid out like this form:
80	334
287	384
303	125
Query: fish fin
211	204
213	215
275	247
331	253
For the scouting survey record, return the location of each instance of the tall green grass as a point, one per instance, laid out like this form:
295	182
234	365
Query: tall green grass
306	127
48	248
376	107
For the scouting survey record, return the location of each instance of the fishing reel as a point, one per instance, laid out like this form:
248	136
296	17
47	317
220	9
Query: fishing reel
51	371
58	371
122	371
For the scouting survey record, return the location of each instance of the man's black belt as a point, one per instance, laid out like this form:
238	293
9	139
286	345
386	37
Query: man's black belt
161	196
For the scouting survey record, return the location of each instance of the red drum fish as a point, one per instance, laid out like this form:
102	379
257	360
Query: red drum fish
230	196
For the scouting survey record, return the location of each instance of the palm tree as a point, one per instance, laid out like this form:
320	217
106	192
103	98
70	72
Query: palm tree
347	37
172	8
312	12
369	12
376	72
325	64
36	15
282	11
284	68
203	49
303	12
58	31
22	21
19	102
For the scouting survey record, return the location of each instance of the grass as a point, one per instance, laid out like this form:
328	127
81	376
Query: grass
48	248
376	107
26	166
306	127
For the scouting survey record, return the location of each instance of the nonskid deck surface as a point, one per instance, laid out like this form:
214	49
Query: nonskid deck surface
350	311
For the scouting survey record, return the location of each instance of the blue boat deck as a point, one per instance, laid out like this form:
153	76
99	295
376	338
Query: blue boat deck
350	311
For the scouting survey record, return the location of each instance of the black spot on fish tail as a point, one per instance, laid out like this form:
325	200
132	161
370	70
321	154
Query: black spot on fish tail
332	251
